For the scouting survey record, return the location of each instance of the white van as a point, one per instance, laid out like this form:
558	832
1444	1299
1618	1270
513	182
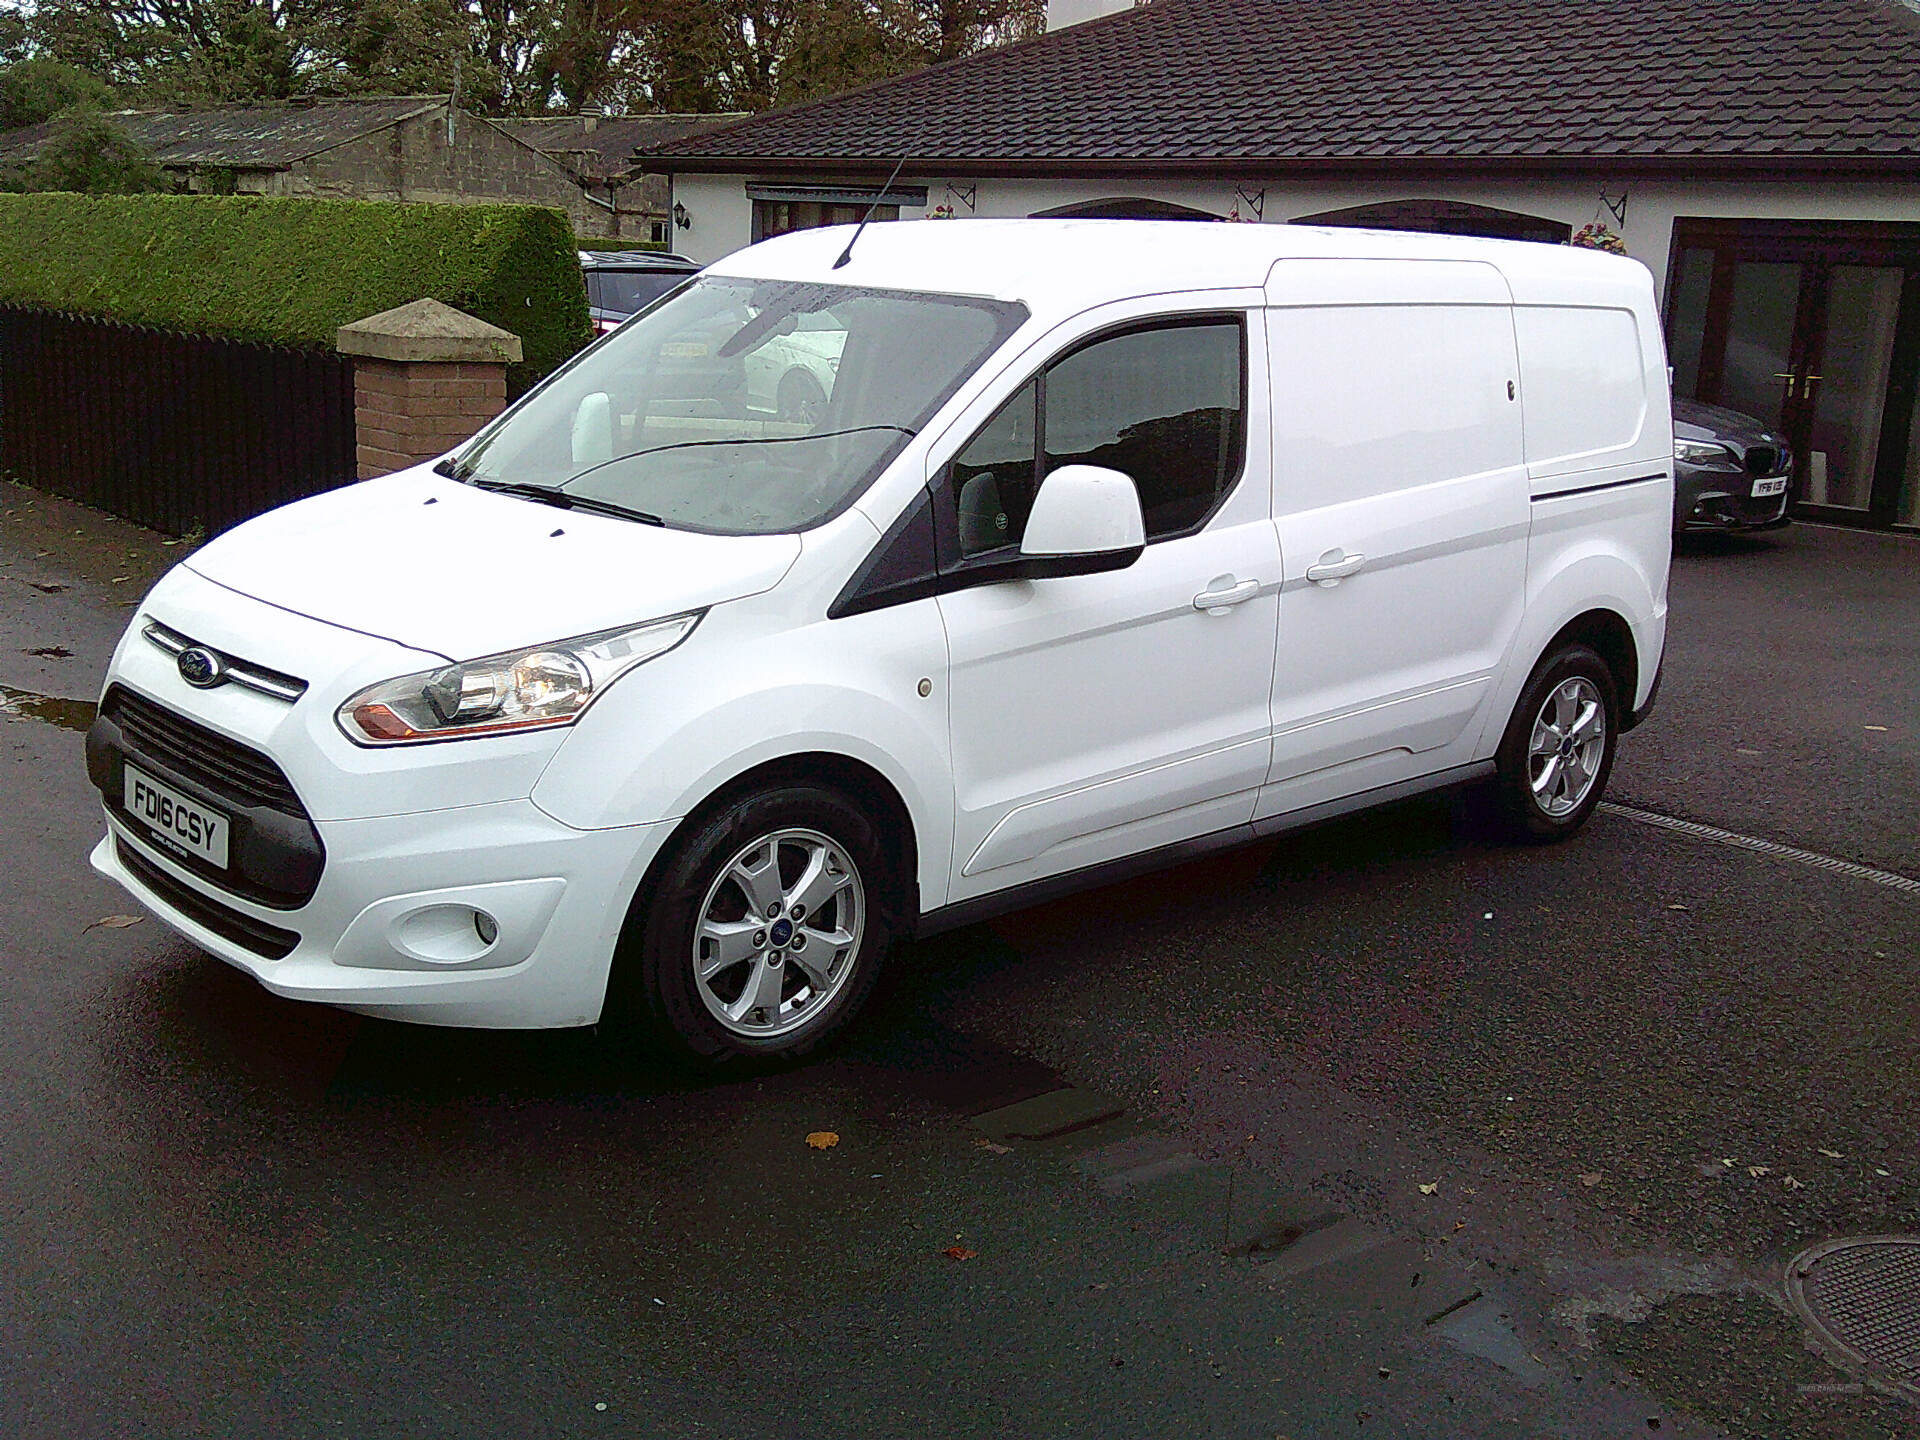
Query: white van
1104	544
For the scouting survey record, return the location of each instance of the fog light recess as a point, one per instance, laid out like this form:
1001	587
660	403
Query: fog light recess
445	934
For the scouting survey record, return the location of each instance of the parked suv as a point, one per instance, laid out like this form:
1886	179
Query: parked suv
650	703
1730	472
624	282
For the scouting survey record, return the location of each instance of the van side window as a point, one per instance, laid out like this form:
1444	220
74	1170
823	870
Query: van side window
993	477
1163	404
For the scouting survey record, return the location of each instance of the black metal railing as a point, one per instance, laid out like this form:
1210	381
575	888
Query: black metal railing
174	432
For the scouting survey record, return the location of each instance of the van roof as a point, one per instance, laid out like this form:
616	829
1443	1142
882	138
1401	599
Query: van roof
1064	266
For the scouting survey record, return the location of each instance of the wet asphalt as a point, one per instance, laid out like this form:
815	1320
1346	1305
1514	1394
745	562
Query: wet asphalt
1388	1128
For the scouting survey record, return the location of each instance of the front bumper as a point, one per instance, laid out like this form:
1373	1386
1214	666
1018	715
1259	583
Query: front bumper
390	930
1721	498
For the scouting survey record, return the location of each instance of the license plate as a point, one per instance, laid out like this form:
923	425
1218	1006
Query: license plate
178	822
1764	488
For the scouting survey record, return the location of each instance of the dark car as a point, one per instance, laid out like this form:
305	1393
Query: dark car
624	282
1730	472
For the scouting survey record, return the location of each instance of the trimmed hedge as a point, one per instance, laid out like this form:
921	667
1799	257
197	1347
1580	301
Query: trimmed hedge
611	244
290	271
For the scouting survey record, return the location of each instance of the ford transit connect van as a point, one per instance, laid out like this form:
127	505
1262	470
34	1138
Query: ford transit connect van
652	701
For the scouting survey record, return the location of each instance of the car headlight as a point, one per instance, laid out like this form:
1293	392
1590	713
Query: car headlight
517	690
1700	452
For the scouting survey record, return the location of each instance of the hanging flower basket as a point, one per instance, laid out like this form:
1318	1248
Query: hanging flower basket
1599	237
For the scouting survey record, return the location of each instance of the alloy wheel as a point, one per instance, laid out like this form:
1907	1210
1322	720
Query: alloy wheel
778	932
1568	742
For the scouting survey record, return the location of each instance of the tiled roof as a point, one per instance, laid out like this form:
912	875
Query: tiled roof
1358	83
264	137
606	150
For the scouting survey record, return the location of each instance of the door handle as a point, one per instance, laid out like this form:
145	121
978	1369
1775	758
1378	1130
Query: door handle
1218	602
1335	567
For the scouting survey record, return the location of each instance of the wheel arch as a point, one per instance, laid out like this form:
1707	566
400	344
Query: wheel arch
876	795
1608	634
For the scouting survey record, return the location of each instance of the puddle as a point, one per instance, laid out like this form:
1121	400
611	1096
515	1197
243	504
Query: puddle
67	714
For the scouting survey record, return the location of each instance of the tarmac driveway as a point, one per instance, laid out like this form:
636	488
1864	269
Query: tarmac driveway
1386	1129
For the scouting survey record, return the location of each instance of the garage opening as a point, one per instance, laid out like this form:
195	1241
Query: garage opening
1123	207
1446	217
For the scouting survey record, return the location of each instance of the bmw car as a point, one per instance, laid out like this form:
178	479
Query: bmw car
1730	472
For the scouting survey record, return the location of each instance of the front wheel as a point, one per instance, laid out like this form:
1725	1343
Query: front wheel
764	931
1558	750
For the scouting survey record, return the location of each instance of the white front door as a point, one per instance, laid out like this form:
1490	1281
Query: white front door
1097	716
1400	492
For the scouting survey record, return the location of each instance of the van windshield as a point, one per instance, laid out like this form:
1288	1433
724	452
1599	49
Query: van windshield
743	407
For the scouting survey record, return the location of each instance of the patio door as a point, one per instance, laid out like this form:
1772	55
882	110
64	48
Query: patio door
1816	331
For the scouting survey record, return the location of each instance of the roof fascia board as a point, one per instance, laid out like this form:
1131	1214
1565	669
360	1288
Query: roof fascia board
1252	167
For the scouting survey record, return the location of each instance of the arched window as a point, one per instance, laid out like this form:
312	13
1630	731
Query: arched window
1446	217
1123	207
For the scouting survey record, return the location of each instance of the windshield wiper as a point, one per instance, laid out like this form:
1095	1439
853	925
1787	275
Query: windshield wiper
560	499
450	468
745	440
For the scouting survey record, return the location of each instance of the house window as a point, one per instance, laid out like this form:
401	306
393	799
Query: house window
777	217
780	208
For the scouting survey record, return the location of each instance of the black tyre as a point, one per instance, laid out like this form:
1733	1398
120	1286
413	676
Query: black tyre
763	930
1558	750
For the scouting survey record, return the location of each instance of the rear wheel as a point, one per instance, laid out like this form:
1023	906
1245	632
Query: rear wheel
1558	750
764	931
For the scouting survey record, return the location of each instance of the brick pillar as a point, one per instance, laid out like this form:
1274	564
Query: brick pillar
425	377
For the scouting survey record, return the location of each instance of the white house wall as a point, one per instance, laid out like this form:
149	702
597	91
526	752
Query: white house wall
722	215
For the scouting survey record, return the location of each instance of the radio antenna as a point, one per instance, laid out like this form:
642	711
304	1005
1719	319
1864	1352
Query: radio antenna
847	254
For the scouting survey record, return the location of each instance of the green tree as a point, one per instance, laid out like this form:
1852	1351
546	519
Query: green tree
39	88
92	154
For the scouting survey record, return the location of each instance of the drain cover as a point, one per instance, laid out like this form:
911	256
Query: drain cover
1862	1298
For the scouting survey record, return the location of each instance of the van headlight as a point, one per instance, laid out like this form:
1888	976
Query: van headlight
518	690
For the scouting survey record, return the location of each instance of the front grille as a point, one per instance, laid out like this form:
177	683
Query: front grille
267	941
1767	460
224	766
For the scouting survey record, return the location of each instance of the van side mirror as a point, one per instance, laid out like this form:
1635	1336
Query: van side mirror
1085	519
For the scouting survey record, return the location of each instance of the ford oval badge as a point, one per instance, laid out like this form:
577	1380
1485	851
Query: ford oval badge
201	668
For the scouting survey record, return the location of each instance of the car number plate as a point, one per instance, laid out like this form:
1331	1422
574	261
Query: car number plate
1764	488
178	821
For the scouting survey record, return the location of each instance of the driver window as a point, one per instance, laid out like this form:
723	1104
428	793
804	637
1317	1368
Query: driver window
1161	404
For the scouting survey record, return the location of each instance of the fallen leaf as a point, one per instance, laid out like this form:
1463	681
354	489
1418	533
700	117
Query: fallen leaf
991	1148
119	579
959	1252
113	922
1791	1183
1592	1178
1741	750
1430	1189
822	1140
1756	1171
1458	1226
1677	906
1880	728
1830	1154
1729	1163
1878	1171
